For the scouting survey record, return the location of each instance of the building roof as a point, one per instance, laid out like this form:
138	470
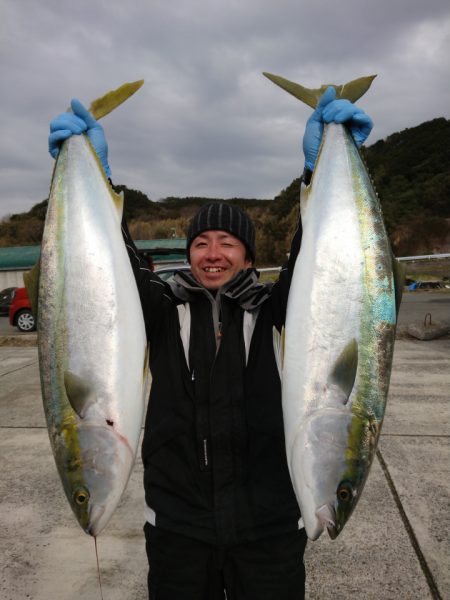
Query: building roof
18	258
21	258
170	245
172	249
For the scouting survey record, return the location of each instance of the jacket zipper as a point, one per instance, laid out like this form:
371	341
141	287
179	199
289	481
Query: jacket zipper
205	452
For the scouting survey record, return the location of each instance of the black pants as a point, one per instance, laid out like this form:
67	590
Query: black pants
181	568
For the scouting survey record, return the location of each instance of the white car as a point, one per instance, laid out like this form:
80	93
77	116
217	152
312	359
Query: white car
167	273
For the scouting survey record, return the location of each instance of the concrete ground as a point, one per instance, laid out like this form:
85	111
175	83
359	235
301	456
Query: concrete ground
395	545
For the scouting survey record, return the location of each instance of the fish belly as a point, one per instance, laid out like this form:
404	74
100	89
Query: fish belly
325	295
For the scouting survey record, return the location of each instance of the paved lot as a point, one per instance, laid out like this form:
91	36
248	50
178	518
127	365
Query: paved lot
395	546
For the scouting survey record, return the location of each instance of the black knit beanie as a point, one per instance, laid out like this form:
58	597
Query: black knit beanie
223	217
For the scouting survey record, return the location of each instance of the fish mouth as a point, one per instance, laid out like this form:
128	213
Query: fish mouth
95	520
326	515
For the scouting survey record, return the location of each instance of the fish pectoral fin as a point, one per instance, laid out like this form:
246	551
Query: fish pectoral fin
31	281
344	370
79	393
399	281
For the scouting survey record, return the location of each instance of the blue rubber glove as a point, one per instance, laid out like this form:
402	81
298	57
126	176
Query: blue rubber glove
343	111
312	137
75	123
330	110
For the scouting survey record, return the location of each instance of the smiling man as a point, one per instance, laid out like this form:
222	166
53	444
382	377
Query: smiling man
222	519
220	244
220	505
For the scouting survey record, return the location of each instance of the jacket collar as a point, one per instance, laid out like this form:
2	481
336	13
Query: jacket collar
244	288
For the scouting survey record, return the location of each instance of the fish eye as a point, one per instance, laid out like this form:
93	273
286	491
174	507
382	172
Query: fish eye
344	495
81	496
344	492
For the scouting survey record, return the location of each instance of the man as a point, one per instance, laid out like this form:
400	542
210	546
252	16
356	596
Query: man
221	514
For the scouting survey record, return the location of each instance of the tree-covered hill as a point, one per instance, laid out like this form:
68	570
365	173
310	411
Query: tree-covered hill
410	170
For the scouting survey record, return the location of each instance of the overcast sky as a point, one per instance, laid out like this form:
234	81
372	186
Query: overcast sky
206	121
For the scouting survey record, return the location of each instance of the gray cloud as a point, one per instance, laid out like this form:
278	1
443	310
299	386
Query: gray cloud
207	122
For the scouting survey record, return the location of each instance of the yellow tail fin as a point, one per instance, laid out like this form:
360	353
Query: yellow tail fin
107	103
349	91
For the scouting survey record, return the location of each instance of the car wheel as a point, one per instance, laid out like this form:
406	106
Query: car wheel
25	321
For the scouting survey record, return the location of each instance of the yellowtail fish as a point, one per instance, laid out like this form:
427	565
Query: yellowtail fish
340	328
91	335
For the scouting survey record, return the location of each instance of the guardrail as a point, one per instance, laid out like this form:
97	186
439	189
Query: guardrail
424	257
402	258
269	270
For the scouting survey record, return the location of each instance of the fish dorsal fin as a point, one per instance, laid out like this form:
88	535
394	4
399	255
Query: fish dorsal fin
79	393
304	201
278	346
399	273
353	90
282	345
111	100
146	366
118	200
31	281
344	370
147	376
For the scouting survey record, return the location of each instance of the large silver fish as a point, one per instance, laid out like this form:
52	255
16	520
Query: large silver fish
91	335
340	329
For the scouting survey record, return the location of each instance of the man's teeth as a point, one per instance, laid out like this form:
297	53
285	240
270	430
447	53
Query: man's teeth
214	269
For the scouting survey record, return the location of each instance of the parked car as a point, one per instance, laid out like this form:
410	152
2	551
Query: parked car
20	313
425	285
6	297
166	273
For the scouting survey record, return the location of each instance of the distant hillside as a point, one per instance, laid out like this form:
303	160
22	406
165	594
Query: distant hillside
410	169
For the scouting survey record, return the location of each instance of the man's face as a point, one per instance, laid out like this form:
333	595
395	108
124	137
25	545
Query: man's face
216	257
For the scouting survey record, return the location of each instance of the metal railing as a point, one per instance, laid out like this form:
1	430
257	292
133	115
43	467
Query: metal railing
424	257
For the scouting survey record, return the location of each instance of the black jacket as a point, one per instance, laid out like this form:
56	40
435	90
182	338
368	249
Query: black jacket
213	450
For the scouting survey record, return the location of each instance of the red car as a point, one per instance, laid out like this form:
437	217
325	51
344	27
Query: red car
20	314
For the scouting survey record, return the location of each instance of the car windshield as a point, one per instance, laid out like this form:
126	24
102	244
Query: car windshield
167	274
7	293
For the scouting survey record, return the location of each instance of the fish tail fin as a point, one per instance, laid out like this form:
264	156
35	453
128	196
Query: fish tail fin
111	100
353	90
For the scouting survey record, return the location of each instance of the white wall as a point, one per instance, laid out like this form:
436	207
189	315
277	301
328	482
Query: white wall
11	278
